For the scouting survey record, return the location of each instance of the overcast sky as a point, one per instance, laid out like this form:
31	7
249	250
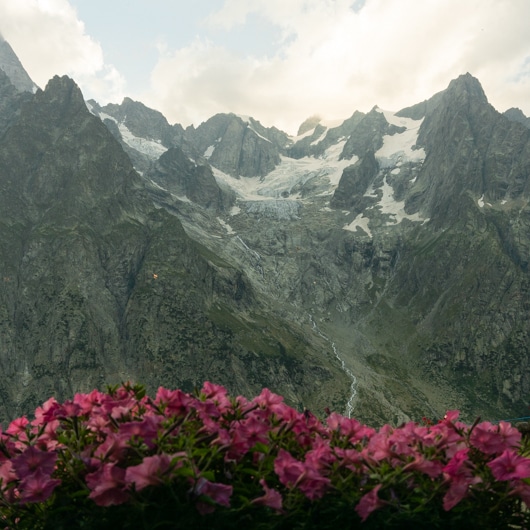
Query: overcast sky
279	61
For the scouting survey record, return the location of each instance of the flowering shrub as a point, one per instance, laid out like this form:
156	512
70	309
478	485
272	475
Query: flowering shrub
123	460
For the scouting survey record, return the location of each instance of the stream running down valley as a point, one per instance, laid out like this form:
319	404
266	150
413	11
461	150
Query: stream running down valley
345	369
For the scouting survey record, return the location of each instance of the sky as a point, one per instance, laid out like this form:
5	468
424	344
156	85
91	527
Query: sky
279	61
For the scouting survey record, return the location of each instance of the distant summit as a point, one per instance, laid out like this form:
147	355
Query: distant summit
11	65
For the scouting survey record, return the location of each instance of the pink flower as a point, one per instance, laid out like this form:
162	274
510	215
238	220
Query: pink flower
219	493
7	474
457	465
33	459
451	416
313	485
88	402
351	459
509	466
369	503
37	487
379	447
349	427
217	394
522	490
45	413
432	468
494	439
48	437
18	426
293	473
107	485
68	409
149	473
272	498
288	469
146	430
458	489
270	401
174	402
115	447
246	434
320	456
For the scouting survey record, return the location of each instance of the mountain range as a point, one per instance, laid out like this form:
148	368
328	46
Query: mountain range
377	266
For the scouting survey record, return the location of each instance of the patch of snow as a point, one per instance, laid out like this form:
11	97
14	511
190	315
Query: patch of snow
234	211
258	134
181	198
359	222
395	171
289	174
209	151
481	202
318	140
328	124
104	116
226	226
157	185
302	136
396	209
150	148
397	148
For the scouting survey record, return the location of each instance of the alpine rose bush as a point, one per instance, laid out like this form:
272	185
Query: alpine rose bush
120	459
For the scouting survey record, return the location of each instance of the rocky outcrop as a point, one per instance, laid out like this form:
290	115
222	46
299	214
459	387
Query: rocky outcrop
471	148
354	182
323	137
10	102
368	134
237	146
175	172
517	115
144	122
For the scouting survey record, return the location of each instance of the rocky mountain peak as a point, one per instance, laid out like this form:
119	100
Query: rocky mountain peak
62	94
517	115
309	124
238	145
466	88
11	65
368	134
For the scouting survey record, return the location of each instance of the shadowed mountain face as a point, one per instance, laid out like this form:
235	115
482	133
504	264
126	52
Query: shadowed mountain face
378	266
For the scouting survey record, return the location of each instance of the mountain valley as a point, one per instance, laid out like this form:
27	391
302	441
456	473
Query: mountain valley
377	267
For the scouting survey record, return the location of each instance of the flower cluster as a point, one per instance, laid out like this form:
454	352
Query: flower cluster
122	459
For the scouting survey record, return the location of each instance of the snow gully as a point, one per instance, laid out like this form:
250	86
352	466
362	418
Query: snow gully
345	369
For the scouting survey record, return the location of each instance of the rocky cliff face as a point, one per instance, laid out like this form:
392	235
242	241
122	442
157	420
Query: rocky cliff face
176	173
378	266
238	146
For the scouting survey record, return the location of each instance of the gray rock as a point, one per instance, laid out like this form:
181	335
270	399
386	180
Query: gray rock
10	64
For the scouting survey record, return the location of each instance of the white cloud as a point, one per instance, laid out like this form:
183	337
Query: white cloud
334	60
49	39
